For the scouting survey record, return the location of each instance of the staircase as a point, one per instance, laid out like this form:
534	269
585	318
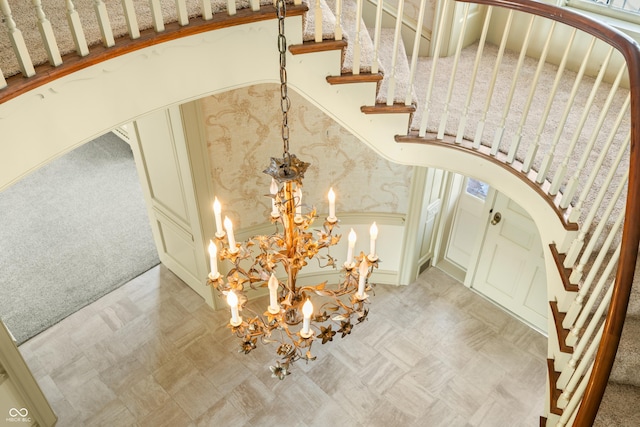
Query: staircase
562	153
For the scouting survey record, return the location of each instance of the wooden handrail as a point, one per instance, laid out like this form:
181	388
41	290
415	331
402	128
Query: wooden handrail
616	314
18	85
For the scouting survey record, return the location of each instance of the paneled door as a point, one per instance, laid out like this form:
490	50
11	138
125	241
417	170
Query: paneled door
510	267
168	170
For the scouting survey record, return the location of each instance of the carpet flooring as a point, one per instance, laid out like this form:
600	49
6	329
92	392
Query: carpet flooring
69	233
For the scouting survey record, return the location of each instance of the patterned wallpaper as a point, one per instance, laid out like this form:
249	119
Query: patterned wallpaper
243	132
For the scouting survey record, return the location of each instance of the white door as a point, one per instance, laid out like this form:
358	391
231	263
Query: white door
167	176
468	223
510	267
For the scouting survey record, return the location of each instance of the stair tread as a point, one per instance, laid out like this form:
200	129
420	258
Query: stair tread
619	407
309	22
626	368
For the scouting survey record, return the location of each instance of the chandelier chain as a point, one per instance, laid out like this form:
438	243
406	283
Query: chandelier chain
285	103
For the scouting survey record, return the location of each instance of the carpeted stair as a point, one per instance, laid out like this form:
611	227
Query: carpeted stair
620	406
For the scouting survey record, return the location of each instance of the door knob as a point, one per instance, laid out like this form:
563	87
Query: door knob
496	218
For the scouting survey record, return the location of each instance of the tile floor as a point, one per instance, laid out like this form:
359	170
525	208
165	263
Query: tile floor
153	354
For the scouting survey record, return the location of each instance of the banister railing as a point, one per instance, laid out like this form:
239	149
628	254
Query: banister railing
461	102
592	381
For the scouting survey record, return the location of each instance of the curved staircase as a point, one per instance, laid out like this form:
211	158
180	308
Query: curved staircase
552	139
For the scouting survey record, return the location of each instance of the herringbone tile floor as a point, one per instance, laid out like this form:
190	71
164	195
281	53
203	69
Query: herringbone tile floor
153	354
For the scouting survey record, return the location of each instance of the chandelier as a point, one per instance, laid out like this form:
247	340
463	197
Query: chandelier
297	316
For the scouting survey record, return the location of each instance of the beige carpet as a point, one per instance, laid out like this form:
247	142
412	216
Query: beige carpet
24	15
498	100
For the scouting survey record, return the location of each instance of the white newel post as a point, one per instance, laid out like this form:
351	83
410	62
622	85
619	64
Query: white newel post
17	41
79	40
104	24
48	38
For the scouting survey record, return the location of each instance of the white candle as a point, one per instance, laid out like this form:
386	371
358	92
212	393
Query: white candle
213	253
274	190
298	200
232	300
373	235
216	211
332	205
307	311
228	225
273	295
363	270
352	244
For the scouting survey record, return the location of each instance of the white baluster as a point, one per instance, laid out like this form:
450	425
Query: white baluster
570	368
577	244
48	38
77	33
588	333
231	7
416	48
205	7
356	44
548	158
577	305
156	15
17	41
445	115
130	17
576	274
376	37
565	397
497	139
3	82
476	65
569	413
572	183
338	28
183	16
588	307
533	148
515	144
318	21
577	209
434	65
397	39
494	77
562	170
103	22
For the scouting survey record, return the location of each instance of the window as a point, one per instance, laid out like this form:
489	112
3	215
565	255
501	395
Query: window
477	188
624	10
